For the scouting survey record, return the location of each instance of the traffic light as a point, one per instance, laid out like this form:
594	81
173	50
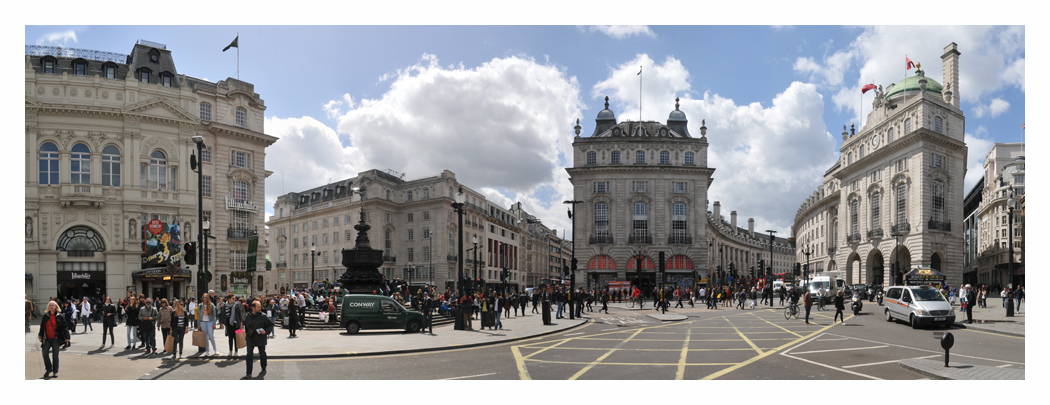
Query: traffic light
575	263
752	271
191	253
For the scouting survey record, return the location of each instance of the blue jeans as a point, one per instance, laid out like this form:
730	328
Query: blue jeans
498	324
87	323
209	336
149	336
1004	301
561	307
133	336
51	345
1018	306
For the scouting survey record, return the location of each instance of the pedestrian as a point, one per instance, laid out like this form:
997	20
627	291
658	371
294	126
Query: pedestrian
180	320
109	321
1019	296
132	324
192	307
256	327
208	315
497	301
165	321
969	299
605	304
840	306
232	317
1003	294
52	333
807	300
29	312
678	299
272	311
293	317
535	302
505	303
427	305
148	316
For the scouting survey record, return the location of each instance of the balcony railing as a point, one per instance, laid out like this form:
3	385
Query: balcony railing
939	225
679	240
239	234
281	265
875	234
901	228
451	258
601	240
831	251
640	239
388	258
854	238
80	253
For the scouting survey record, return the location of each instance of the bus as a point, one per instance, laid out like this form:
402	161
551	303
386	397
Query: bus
552	281
787	278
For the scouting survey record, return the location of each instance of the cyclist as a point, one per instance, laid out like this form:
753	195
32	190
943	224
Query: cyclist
820	297
636	296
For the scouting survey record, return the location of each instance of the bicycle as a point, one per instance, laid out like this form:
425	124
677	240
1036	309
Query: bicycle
791	310
820	303
639	300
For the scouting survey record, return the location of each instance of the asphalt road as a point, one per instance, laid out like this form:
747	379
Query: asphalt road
726	344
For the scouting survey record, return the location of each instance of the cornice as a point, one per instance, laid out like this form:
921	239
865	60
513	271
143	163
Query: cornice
253	136
635	168
921	134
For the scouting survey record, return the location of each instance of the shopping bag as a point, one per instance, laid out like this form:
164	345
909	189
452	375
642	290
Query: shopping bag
287	323
199	339
169	344
241	341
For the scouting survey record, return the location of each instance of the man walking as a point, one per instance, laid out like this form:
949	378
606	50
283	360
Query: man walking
560	299
427	306
256	326
147	316
807	300
970	298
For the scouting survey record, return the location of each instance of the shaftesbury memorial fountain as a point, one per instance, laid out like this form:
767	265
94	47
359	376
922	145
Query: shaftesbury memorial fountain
362	264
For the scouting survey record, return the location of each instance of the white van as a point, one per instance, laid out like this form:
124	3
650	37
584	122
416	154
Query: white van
830	284
919	305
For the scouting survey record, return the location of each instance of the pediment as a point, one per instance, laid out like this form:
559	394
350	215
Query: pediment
32	102
161	108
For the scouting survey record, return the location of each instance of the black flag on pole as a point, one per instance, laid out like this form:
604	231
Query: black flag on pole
232	44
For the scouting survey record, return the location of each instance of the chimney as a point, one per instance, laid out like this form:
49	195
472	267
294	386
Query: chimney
718	211
732	216
950	61
751	226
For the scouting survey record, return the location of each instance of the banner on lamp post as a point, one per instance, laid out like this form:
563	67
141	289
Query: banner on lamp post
253	247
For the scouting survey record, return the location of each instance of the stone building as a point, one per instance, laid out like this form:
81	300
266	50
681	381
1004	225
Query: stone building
108	145
1004	173
896	193
644	192
732	246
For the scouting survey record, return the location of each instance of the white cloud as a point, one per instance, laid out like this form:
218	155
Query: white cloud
993	109
977	148
1014	74
763	156
57	38
333	107
505	124
620	31
783	27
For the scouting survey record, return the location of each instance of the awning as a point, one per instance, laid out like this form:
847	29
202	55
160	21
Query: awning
161	271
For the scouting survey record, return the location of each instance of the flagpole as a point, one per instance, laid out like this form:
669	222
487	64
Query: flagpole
639	94
238	55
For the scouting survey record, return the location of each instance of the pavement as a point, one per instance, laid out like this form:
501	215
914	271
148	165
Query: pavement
334	343
959	371
993	319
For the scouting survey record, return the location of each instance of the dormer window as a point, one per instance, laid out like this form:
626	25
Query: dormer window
79	68
144	75
109	70
154	56
48	65
165	81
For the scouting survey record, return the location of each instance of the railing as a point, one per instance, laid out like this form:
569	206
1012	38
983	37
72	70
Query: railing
451	258
831	251
901	228
388	258
81	189
58	51
939	225
601	240
854	238
281	265
640	239
875	233
679	240
239	234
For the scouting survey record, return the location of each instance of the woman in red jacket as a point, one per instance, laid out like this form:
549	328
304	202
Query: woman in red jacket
53	334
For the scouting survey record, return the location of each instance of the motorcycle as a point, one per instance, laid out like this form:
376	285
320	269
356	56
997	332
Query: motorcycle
878	297
857	303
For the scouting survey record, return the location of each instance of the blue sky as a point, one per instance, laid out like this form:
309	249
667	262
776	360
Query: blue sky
496	104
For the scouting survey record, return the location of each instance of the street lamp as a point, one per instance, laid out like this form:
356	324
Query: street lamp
313	259
470	284
1010	221
197	165
409	269
770	272
458	207
897	267
807	251
572	279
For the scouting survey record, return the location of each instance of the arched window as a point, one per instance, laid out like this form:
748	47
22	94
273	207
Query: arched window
689	158
937	124
680	262
641	219
849	158
889	136
938	200
678	221
205	111
876	199
854	208
902	203
409	195
80	239
647	263
861	151
601	262
158	171
601	219
451	242
48	164
80	165
592	158
615	157
907	126
110	166
242	117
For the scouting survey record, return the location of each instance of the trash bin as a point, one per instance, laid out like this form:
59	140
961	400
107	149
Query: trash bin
546	312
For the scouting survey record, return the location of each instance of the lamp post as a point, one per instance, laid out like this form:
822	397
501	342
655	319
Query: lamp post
770	272
313	259
897	257
409	269
572	278
197	165
1010	224
458	207
470	285
721	264
807	251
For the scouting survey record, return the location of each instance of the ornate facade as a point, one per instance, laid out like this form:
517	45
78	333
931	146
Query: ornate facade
896	193
1004	166
739	248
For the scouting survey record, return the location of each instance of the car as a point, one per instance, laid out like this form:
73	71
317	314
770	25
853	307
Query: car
919	305
362	311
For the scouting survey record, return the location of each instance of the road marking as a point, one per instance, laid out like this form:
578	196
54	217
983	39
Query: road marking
992	333
523	372
882	362
785	354
592	364
630	364
685	351
548	348
460	378
577	333
742	336
771	323
842	350
1002	366
737	366
831	340
936	351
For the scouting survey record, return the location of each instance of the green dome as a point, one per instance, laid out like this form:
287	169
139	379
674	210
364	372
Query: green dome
912	84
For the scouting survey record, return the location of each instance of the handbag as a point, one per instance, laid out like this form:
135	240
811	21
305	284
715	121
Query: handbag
199	339
241	341
169	344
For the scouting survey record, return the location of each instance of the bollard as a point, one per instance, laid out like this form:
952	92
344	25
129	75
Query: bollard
1010	307
947	341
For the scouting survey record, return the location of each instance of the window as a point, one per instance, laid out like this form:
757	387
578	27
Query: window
335	220
313	240
426	193
295	243
238	260
849	158
335	237
592	158
110	166
206	154
111	72
854	207
641	219
678	220
426	233
678	187
79	69
241	159
902	164
240	191
295	261
158	171
409	234
143	76
601	219
937	124
876	223
426	253
324	256
240	220
1018	179
615	157
206	111
304	241
426	215
1017	232
48	164
324	223
938	200
165	81
907	126
206	186
938	161
689	158
640	186
409	195
861	151
889	136
639	156
409	217
49	66
346	219
665	157
388	217
451	242
411	256
601	187
324	239
80	165
242	117
874	176
388	241
902	203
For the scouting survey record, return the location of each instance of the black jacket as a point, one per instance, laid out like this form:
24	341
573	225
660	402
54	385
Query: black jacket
257	321
109	315
133	315
61	333
186	322
840	303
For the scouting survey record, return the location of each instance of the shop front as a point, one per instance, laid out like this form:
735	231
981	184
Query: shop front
164	282
78	280
679	280
240	284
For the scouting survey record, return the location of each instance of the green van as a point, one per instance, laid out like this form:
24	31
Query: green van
361	311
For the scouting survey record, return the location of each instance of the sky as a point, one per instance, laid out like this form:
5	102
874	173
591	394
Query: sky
497	104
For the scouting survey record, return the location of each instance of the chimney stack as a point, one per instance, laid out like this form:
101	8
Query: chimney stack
732	216
718	211
950	61
751	226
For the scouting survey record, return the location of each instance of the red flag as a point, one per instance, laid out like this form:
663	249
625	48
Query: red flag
1022	126
866	88
910	64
